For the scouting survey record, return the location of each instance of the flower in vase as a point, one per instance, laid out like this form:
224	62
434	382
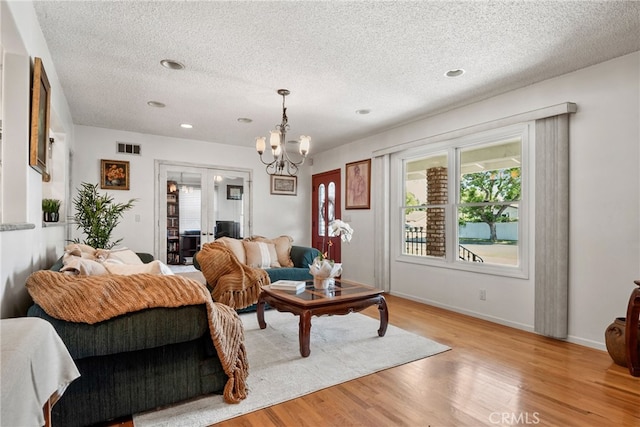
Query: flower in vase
340	228
325	268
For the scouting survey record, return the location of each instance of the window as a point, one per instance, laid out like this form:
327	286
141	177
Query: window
463	204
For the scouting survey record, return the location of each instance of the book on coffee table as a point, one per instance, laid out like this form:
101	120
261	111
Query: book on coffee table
289	285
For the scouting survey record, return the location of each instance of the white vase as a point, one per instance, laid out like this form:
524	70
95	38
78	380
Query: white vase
323	282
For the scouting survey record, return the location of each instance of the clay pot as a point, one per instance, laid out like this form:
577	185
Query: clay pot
614	339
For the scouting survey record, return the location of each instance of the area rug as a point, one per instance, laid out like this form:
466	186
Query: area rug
342	348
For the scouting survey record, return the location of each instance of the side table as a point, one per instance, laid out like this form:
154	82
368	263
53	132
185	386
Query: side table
36	368
631	331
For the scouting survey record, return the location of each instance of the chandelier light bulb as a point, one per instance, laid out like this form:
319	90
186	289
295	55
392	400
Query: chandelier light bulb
260	144
305	142
274	140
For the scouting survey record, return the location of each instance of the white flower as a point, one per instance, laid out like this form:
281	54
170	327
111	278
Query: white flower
340	228
325	268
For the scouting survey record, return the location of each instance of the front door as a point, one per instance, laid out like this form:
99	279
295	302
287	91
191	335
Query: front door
325	207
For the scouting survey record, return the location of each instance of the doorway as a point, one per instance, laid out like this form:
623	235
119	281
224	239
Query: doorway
326	207
196	205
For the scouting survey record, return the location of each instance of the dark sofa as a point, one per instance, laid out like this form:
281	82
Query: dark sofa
302	257
135	362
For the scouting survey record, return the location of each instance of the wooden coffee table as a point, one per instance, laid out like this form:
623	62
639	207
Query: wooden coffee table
344	298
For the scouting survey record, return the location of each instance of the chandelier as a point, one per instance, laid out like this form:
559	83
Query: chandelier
282	163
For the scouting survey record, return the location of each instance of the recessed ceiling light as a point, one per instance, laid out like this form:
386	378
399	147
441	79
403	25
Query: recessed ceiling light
244	120
454	73
171	64
156	104
363	111
186	126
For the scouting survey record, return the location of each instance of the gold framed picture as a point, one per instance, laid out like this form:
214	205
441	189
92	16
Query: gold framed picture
285	185
40	102
358	184
114	174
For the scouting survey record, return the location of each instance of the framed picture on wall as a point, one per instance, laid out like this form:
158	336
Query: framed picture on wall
286	185
114	174
358	185
234	192
40	102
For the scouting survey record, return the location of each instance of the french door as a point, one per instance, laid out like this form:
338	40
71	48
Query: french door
326	207
196	204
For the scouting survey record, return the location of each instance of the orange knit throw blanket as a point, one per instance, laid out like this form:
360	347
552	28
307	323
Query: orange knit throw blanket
92	299
234	284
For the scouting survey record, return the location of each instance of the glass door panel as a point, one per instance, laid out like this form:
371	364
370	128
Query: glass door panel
198	205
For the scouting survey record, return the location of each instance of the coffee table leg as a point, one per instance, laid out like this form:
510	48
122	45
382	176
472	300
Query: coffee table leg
260	312
384	316
304	333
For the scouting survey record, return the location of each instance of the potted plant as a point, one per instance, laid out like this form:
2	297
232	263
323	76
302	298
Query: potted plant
50	208
97	215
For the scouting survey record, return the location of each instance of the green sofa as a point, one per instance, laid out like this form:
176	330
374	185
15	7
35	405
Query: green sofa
302	257
135	362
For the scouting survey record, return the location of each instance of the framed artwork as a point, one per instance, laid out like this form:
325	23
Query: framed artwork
234	192
40	101
358	185
114	174
286	185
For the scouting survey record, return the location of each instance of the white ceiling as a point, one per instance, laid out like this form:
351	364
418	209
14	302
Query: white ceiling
334	57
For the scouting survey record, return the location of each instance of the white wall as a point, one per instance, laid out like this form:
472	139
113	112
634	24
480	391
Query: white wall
273	215
25	250
604	203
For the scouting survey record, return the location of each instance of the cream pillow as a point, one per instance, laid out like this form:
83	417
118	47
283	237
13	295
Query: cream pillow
81	250
283	248
235	246
124	255
260	254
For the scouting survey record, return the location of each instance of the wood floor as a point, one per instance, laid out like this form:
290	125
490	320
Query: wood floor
493	376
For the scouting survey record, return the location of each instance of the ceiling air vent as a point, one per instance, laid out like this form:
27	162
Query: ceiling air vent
127	148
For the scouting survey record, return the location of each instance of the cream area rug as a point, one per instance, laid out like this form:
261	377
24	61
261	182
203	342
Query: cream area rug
342	348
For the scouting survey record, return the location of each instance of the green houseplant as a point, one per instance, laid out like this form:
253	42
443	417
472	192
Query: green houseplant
97	215
50	208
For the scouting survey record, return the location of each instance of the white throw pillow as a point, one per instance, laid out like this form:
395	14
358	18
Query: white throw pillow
126	256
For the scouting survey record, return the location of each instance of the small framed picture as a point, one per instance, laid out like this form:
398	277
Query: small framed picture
234	192
358	185
114	174
286	185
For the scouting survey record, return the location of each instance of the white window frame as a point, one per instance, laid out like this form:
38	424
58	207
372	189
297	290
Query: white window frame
526	206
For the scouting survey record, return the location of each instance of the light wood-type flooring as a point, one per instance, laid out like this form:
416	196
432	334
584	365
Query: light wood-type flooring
493	376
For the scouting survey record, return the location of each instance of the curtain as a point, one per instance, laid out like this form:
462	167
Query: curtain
552	226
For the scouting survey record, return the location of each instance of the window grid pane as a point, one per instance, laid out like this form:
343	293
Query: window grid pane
487	212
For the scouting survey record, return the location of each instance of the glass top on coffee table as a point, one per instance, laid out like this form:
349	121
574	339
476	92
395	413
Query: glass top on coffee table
342	290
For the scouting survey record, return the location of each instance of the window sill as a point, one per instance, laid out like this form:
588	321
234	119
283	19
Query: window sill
472	267
15	226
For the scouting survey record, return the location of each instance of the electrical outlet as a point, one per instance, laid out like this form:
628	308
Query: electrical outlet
483	294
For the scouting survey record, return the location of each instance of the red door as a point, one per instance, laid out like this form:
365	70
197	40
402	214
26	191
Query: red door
325	206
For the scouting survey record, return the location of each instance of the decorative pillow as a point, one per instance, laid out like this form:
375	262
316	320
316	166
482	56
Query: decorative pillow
260	254
283	248
126	256
235	246
78	249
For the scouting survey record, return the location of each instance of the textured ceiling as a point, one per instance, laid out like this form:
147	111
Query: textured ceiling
334	57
